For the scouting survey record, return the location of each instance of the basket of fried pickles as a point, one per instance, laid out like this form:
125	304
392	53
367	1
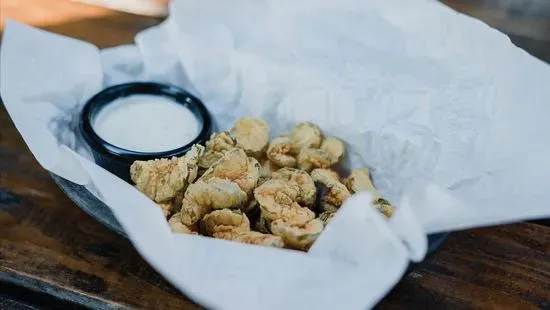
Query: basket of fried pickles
240	186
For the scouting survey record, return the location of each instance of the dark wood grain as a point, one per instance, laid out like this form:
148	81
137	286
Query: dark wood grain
97	25
7	302
48	245
53	255
506	267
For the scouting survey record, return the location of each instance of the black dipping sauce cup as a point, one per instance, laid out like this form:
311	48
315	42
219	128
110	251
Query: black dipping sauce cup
118	160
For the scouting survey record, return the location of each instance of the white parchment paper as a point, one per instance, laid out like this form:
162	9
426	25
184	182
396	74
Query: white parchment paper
450	116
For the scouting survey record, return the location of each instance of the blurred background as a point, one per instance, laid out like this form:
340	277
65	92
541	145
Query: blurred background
527	22
144	7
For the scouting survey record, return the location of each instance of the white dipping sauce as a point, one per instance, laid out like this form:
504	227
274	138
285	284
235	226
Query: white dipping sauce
146	123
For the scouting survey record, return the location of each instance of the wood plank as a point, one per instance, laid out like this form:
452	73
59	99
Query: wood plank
97	25
48	244
504	267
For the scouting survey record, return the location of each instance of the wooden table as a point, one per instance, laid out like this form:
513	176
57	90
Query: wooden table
53	255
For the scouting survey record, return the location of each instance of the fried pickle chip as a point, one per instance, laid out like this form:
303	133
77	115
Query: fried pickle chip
162	179
270	166
384	207
309	159
231	165
193	156
334	148
250	180
278	200
267	167
177	226
359	180
205	195
334	194
252	134
235	226
221	141
209	158
324	175
223	221
326	217
236	166
166	208
303	179
298	236
305	135
252	237
171	206
264	176
279	152
216	146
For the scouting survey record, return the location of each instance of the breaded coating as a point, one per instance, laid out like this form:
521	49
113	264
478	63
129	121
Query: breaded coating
205	195
252	177
384	206
279	152
324	175
216	146
305	135
252	237
303	179
166	207
177	226
210	158
193	156
278	200
233	225
171	206
269	166
224	220
236	166
221	141
334	194
325	217
309	159
162	179
298	236
334	148
359	180
252	135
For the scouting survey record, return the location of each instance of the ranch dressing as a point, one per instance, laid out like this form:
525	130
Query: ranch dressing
146	123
